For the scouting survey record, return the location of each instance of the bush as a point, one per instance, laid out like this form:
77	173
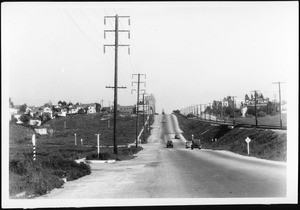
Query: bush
261	114
25	118
102	156
40	176
273	113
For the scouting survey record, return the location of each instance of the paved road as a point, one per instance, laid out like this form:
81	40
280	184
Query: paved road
160	172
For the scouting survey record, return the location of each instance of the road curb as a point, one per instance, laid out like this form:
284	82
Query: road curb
99	161
83	160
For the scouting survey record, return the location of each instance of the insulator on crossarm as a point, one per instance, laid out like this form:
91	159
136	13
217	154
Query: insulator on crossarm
128	35
104	35
129	22
128	50
104	21
104	49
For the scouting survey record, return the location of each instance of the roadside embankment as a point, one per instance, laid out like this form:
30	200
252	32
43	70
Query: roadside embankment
266	144
57	151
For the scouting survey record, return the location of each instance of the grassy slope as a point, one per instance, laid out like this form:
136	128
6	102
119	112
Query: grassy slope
265	144
267	120
56	152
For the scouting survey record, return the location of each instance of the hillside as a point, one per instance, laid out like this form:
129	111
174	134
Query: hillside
266	144
56	151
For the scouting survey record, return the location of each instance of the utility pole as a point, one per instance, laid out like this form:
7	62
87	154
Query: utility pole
209	111
137	103
233	109
144	132
116	45
280	113
255	106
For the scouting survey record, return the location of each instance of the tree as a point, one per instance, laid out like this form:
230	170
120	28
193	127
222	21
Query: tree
70	104
247	97
11	104
47	105
64	103
98	107
25	118
23	108
261	96
81	111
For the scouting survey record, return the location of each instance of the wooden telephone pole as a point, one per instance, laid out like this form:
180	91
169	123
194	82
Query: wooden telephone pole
116	45
279	102
137	103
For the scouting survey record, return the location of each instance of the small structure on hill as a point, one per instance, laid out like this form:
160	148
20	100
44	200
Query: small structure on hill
41	131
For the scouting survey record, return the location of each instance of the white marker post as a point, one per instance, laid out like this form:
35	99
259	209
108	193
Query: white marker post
248	141
33	143
75	139
81	142
98	144
192	137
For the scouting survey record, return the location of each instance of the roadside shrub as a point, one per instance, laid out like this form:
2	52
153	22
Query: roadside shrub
261	114
40	176
81	170
102	156
17	167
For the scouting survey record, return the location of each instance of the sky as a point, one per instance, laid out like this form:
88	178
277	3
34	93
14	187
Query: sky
191	52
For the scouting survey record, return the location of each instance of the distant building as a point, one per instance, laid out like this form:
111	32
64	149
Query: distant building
35	122
62	113
91	108
73	110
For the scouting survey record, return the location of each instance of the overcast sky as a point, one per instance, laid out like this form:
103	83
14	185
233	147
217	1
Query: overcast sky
191	53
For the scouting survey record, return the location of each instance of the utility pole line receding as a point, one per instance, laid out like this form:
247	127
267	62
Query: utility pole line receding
280	113
255	105
116	45
233	109
137	103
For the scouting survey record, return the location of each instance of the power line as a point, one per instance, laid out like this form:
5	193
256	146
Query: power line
91	23
74	22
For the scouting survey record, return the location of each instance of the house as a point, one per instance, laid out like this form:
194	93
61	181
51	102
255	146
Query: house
39	111
36	112
91	108
62	113
35	122
17	116
48	110
73	110
13	111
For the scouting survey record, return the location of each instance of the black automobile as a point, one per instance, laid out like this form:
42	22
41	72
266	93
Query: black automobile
169	144
196	144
